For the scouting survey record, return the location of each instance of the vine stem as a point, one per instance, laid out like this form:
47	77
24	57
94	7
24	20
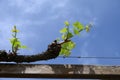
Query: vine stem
15	34
14	49
52	52
67	33
65	41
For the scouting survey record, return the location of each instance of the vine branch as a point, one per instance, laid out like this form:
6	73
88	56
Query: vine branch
55	49
51	53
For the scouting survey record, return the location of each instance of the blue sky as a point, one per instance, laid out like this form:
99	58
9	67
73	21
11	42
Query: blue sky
39	22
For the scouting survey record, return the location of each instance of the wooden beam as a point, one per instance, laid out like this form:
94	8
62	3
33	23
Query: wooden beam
59	71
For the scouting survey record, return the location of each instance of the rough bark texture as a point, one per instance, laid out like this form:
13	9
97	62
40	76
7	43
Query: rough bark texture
51	53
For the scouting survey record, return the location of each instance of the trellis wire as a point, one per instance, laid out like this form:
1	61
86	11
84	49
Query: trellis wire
90	57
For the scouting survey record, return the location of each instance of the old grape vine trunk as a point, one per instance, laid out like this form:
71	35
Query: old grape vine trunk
51	53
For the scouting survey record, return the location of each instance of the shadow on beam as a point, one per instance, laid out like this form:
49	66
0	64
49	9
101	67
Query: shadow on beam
62	76
59	71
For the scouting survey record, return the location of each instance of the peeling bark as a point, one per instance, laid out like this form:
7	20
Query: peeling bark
51	53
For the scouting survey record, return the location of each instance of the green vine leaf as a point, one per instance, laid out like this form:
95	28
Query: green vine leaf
66	23
64	30
64	36
65	52
66	48
76	31
15	30
69	35
87	28
78	26
24	47
15	42
67	45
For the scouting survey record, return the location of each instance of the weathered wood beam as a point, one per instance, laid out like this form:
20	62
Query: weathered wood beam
59	71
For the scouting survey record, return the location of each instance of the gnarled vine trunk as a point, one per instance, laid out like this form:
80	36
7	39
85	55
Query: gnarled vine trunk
51	53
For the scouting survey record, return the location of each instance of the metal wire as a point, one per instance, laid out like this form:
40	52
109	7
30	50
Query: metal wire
90	57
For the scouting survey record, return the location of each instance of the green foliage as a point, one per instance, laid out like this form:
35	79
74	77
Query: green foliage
66	23
64	30
15	42
66	48
77	25
68	44
69	35
87	28
66	33
76	31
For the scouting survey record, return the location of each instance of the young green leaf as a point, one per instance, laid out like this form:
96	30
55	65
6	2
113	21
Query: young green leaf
64	30
87	28
15	42
66	48
65	52
66	23
65	45
76	31
64	36
78	26
72	45
69	35
12	40
23	47
15	30
68	45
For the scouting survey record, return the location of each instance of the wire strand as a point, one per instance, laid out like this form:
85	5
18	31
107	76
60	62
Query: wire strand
90	57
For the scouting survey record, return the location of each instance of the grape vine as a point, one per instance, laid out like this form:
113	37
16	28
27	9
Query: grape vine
15	42
60	46
67	34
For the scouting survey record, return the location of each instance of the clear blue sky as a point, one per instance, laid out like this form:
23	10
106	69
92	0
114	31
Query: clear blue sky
39	22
